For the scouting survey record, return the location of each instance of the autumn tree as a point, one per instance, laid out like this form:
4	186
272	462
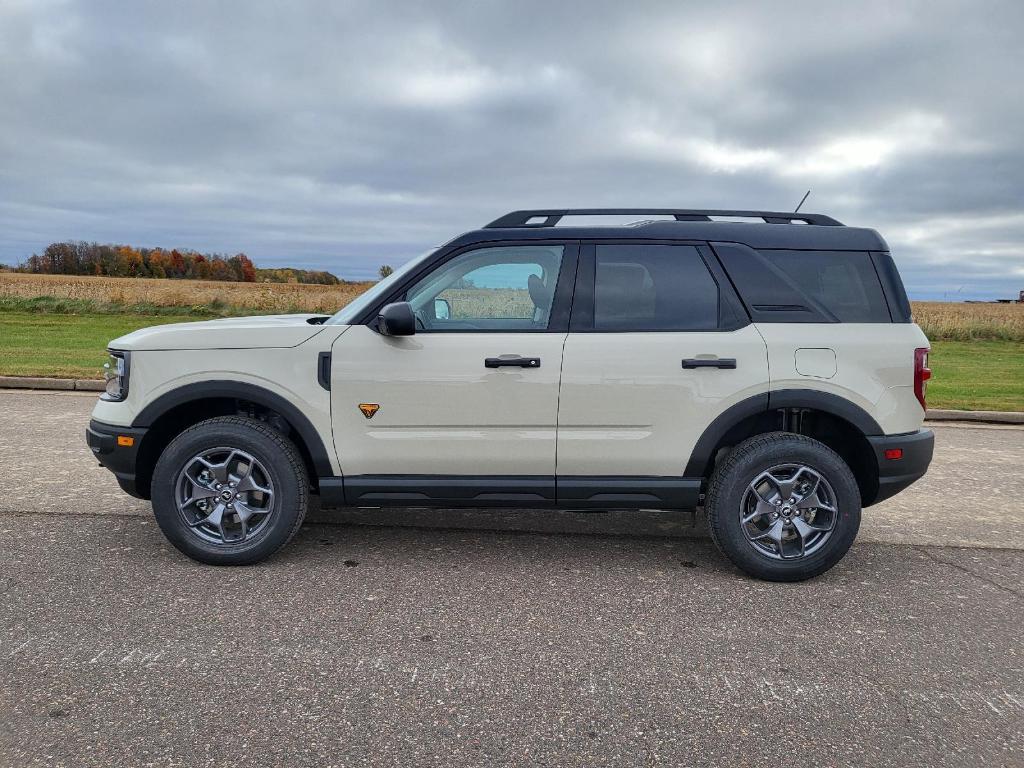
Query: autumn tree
242	268
81	258
220	270
177	267
201	266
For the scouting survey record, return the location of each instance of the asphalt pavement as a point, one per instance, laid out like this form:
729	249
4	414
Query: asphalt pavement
503	638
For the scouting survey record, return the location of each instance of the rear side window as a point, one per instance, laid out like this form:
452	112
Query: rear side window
844	282
653	288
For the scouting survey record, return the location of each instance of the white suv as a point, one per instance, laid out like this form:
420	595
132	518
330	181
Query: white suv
769	372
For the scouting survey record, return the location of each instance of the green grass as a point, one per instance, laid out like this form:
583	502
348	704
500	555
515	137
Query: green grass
977	375
972	375
65	346
61	306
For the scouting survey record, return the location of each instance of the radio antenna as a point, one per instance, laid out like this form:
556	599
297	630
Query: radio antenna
802	199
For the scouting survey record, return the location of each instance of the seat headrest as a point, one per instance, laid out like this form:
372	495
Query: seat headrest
540	294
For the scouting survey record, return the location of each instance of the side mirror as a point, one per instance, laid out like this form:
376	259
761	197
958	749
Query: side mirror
397	319
442	309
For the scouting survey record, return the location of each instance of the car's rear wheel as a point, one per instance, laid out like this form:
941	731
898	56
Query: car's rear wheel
783	507
230	491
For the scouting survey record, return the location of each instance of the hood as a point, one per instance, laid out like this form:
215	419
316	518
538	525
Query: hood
230	333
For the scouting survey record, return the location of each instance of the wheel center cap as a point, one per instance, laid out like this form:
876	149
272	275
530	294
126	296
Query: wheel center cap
226	495
787	510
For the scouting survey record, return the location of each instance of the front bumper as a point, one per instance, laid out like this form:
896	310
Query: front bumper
118	458
895	474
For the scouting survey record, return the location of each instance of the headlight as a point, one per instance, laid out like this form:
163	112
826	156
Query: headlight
116	373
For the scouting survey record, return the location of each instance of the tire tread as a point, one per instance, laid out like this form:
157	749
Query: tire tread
287	449
778	443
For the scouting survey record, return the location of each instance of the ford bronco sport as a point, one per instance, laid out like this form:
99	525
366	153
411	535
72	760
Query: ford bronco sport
767	370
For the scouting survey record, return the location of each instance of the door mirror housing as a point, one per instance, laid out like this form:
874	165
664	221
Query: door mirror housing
442	309
397	319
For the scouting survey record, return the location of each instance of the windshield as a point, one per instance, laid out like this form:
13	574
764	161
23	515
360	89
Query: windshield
354	309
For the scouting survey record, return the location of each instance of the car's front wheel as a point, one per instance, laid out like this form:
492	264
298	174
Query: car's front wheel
783	507
230	491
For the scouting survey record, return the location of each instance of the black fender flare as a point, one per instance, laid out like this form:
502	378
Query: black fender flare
241	390
702	454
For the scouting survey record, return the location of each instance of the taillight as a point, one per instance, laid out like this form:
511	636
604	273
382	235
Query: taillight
921	375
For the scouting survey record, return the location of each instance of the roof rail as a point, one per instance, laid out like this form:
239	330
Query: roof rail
551	217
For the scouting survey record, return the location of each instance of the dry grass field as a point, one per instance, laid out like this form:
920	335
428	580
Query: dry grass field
940	320
500	302
955	322
969	322
193	294
54	325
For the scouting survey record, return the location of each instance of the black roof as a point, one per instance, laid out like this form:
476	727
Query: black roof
769	229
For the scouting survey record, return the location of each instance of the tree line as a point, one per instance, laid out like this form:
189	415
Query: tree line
80	258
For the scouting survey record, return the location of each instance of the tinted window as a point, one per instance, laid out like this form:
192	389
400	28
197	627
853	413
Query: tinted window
500	289
844	282
653	288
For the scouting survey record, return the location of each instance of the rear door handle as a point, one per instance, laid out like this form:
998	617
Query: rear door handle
518	362
709	362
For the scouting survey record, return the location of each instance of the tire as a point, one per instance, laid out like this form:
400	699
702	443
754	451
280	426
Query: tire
268	473
788	537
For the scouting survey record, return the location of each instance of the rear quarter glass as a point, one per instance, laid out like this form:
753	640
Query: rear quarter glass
806	286
844	282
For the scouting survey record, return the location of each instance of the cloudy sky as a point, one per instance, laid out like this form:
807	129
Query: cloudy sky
342	135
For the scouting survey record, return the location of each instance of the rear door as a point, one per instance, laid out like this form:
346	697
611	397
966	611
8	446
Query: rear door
658	346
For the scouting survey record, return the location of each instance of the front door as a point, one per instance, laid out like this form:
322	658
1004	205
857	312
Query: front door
465	410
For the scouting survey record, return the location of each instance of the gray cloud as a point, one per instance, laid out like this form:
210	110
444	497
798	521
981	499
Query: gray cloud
340	135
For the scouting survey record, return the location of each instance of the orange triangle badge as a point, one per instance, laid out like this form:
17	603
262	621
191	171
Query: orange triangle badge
369	409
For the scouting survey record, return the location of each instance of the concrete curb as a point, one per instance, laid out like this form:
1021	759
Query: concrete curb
986	417
92	385
39	382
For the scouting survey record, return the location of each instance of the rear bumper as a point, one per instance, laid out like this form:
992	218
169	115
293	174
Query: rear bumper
896	474
119	459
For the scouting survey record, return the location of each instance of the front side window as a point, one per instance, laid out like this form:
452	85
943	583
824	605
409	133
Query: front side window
507	288
653	288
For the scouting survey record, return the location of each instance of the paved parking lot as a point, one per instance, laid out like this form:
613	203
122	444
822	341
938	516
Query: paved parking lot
510	638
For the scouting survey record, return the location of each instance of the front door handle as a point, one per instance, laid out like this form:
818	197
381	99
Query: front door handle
709	362
513	360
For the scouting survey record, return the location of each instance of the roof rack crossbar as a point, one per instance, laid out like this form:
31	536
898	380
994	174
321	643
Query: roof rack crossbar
550	218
